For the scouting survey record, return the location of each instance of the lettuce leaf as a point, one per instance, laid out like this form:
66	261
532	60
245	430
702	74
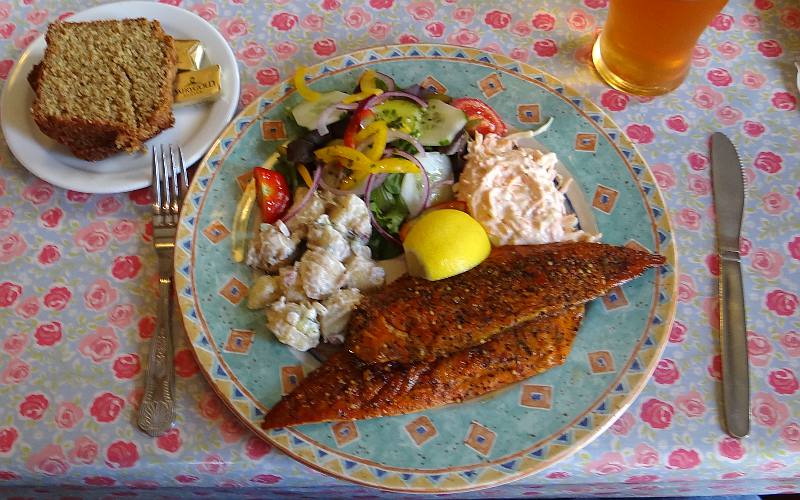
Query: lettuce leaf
390	212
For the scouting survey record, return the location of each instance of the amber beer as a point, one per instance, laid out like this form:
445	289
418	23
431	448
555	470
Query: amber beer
645	47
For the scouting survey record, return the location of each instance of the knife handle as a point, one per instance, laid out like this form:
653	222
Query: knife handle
733	342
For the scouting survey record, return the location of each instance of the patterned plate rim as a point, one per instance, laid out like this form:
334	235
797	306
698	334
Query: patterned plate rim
337	463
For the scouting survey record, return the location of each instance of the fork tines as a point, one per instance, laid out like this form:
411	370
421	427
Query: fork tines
168	190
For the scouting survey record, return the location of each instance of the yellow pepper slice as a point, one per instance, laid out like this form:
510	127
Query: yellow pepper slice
353	159
367	82
370	129
381	132
305	175
361	165
361	96
303	89
394	166
368	88
353	179
241	219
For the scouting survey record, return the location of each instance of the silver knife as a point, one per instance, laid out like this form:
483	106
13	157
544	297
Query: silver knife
728	185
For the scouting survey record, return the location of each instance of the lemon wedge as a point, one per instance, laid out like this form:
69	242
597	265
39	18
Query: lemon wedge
443	243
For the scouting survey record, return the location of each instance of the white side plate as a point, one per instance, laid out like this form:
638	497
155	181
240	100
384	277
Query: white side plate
195	130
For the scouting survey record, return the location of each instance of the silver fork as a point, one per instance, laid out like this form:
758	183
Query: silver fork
157	409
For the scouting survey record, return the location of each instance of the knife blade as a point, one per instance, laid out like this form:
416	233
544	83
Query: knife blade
728	188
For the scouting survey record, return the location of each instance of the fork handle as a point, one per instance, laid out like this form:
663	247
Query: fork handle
157	409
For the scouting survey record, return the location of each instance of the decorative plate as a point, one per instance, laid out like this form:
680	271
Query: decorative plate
499	437
195	130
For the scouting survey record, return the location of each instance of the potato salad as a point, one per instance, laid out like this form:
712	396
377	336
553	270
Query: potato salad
315	267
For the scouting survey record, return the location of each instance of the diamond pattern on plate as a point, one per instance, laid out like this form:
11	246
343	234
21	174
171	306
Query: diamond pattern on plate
234	290
291	376
615	299
244	179
586	142
216	232
536	396
480	438
273	130
605	198
635	245
431	83
491	85
601	362
421	430
239	341
344	433
529	113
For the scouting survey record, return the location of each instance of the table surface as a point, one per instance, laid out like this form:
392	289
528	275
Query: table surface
77	277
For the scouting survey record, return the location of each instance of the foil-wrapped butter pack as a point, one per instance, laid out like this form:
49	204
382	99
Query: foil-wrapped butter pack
190	54
202	85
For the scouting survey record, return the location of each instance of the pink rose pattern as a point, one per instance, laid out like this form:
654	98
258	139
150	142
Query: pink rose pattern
691	404
80	255
731	448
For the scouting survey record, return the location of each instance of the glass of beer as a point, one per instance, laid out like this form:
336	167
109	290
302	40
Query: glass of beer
645	47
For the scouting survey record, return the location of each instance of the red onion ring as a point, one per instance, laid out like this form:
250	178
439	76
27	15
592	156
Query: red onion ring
379	178
396	134
322	121
372	219
300	206
377	99
426	181
387	80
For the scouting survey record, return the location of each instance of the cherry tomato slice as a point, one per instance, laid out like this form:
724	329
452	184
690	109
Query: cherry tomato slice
272	194
477	109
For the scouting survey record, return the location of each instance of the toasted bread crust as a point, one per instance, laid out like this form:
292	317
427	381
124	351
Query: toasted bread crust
95	139
89	141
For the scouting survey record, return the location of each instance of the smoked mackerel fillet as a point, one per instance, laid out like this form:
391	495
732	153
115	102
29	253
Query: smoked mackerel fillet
345	388
413	319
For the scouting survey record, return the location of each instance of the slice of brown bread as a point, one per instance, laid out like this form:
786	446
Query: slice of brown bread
104	86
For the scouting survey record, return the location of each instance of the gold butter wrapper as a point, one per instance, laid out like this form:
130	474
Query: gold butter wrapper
202	85
190	54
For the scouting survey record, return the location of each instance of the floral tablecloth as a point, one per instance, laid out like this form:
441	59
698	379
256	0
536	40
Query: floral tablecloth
77	276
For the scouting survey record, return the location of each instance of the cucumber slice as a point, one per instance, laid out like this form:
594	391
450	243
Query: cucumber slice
306	114
400	114
440	123
439	168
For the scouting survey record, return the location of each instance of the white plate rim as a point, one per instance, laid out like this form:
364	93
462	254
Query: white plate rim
41	162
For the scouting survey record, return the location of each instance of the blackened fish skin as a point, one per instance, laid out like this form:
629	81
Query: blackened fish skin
413	319
345	388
